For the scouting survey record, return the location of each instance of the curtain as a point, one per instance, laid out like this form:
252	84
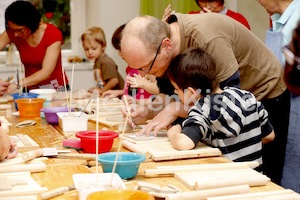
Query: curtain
156	7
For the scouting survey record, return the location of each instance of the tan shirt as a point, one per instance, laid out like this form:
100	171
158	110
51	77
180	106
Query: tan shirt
234	48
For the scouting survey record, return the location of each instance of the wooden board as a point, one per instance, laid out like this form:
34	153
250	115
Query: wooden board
24	142
28	186
161	149
209	179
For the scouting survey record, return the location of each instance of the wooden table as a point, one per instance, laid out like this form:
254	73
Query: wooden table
59	171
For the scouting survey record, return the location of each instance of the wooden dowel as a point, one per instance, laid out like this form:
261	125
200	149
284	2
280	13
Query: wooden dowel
253	195
204	194
134	148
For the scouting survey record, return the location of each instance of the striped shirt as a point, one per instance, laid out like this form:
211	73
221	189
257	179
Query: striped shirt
234	121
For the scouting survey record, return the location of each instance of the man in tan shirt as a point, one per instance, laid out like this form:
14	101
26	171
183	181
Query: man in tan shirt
148	44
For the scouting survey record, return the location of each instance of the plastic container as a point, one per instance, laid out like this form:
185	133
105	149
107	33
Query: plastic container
50	113
127	165
23	95
120	195
105	140
72	121
46	94
30	107
86	184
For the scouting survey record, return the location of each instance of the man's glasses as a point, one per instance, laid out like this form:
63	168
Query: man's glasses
290	56
152	63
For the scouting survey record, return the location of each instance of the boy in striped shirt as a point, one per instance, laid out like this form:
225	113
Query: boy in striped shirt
230	119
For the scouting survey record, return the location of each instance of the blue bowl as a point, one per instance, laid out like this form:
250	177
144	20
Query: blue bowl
127	165
23	95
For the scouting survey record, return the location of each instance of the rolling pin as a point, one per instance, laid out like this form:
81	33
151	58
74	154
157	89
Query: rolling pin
29	155
56	192
203	194
252	181
134	148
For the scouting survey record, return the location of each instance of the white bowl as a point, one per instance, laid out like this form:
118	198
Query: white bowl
46	94
86	184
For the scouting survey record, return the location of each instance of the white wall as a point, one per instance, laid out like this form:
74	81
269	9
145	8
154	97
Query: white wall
256	15
109	15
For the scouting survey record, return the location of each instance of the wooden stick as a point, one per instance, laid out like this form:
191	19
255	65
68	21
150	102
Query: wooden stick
132	147
254	195
161	170
203	194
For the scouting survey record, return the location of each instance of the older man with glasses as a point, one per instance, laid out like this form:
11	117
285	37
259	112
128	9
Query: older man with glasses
241	60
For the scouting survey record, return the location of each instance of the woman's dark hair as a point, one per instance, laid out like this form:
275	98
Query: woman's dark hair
116	37
292	71
194	68
220	1
23	13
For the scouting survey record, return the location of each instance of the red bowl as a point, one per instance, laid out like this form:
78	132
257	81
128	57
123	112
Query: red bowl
105	140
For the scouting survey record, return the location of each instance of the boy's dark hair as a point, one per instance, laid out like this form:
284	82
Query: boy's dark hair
23	13
116	37
292	72
194	68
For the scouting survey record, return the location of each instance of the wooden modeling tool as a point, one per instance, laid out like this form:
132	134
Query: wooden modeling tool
29	155
56	192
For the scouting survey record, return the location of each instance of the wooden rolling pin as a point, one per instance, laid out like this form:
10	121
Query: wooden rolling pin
56	192
29	155
203	194
134	148
32	167
249	180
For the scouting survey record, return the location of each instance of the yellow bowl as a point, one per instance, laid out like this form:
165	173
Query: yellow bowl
120	195
30	107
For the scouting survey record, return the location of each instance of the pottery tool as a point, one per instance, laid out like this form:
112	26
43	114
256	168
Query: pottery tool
120	142
26	123
85	106
71	93
9	78
18	80
65	89
157	190
56	192
128	111
29	155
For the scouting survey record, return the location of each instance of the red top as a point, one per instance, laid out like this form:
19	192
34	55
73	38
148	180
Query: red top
32	57
237	16
141	93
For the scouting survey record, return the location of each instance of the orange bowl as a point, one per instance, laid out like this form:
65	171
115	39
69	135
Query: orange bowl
30	107
120	195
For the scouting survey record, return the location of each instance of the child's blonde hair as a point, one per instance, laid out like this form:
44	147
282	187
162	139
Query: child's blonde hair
94	33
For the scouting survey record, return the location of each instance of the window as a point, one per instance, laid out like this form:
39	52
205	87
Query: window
68	15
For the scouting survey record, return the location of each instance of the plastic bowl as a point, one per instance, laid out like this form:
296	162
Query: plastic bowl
120	195
88	183
50	113
127	165
105	140
30	107
23	95
46	94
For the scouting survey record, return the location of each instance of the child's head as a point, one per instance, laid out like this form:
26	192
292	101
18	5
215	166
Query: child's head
194	69
93	42
116	37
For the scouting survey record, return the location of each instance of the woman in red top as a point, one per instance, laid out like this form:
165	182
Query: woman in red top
219	7
38	43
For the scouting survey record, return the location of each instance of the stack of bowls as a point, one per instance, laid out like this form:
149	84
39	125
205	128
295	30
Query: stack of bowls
30	107
23	95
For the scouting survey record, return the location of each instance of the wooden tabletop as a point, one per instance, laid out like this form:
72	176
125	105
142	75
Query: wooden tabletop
59	171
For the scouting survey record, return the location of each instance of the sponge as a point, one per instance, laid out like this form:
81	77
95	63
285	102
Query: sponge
72	143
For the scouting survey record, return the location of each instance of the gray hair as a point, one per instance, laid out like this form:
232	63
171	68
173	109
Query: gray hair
149	30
